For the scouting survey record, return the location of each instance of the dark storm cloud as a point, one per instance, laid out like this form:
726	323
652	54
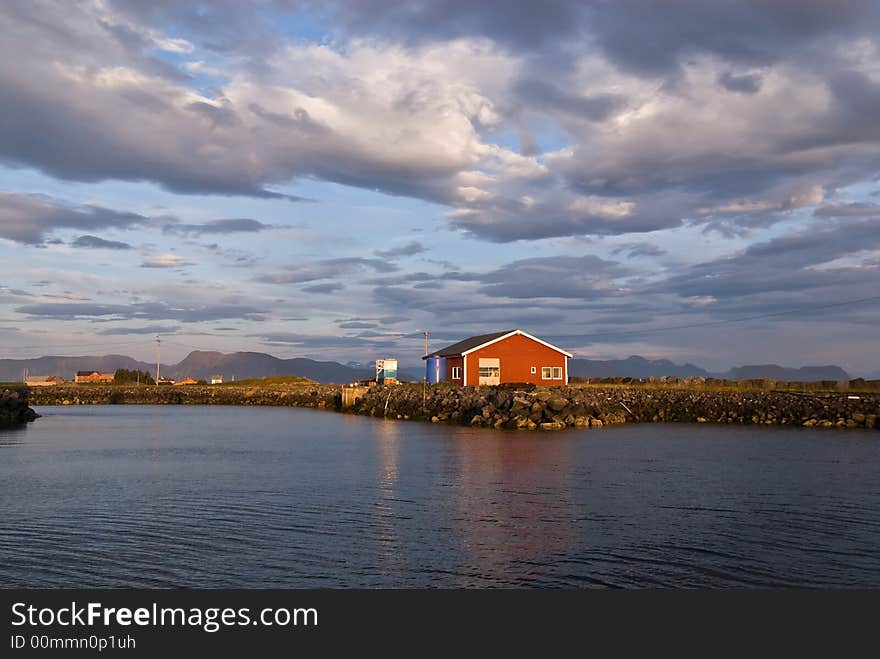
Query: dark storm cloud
28	218
94	242
142	311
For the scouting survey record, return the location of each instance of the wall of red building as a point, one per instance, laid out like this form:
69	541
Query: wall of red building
457	362
517	354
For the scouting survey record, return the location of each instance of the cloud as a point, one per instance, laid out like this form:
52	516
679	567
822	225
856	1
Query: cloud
94	242
634	250
229	226
327	269
555	277
165	261
746	83
544	94
630	117
409	249
376	116
184	313
812	264
855	209
521	26
353	324
28	218
146	329
326	342
331	287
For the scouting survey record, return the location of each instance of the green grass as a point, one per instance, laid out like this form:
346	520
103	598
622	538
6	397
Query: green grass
281	380
733	385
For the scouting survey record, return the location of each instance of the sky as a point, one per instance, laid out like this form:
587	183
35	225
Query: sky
680	179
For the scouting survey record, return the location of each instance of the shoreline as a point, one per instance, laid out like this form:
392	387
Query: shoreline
552	408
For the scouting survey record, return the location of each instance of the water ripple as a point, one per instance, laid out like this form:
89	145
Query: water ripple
120	497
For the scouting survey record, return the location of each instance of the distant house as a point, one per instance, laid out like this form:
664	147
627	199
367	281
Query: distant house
43	380
185	381
93	376
511	356
216	379
167	381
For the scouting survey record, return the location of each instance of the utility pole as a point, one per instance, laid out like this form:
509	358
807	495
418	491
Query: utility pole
425	381
158	343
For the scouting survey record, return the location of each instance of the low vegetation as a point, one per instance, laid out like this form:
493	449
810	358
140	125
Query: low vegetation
717	384
269	382
124	376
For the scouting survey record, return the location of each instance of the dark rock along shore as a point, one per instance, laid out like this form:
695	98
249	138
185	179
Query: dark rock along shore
501	407
14	409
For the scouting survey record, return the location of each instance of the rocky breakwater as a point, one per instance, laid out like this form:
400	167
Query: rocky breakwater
14	408
310	395
524	408
582	407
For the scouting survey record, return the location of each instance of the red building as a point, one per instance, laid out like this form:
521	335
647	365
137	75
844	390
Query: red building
93	376
511	356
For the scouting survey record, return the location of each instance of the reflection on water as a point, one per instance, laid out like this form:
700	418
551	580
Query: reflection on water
519	493
272	497
387	439
12	436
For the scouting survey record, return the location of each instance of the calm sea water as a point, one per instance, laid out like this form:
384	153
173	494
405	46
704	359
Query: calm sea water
272	497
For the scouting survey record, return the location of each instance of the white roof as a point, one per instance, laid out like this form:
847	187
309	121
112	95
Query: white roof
513	333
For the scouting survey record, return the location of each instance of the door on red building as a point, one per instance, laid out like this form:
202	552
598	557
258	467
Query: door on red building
490	370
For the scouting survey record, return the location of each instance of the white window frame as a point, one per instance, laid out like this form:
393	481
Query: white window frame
534	369
456	372
552	373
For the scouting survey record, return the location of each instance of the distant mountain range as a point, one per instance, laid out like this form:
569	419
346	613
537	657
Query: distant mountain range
197	364
639	367
241	365
632	367
774	372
